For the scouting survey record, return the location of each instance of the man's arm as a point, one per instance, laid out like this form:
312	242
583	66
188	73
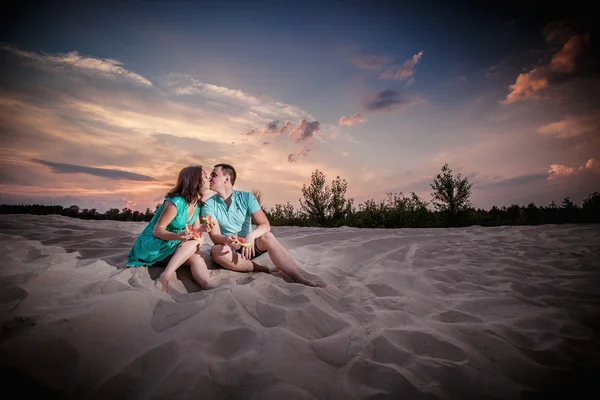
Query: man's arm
262	225
216	236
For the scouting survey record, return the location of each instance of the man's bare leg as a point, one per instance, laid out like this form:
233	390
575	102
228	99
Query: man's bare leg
232	260
200	271
283	259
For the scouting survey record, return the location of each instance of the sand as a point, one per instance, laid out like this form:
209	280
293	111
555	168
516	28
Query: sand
482	313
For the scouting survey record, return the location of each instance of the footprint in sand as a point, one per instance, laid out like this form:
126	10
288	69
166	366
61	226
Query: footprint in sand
245	280
168	314
424	344
365	379
269	315
382	290
455	317
140	377
235	343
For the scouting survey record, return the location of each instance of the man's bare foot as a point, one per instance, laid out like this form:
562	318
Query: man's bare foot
260	268
164	282
309	283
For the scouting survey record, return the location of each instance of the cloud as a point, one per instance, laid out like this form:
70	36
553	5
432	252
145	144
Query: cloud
271	128
105	67
527	84
364	60
511	182
557	32
303	151
254	108
197	87
568	127
557	170
304	130
352	119
61	168
563	62
404	71
373	62
388	100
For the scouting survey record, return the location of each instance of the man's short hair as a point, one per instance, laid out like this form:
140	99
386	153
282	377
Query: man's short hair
228	170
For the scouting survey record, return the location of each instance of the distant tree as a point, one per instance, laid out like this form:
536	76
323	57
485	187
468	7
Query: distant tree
126	214
148	215
284	215
451	194
339	206
259	197
317	198
591	207
112	214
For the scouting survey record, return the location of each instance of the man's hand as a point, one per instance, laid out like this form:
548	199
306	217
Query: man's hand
207	224
232	241
248	251
207	227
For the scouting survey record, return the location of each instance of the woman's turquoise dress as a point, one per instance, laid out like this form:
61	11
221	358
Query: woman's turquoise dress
148	249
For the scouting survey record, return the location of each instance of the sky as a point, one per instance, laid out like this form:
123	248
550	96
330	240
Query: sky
101	105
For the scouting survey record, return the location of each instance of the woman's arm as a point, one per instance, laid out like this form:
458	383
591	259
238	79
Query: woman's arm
169	213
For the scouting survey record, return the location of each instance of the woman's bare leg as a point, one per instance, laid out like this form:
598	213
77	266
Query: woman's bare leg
184	251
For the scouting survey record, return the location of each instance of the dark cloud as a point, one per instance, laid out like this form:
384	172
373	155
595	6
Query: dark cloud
387	100
271	128
303	151
61	168
304	130
514	181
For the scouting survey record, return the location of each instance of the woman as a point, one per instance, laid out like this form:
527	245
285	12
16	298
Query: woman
166	234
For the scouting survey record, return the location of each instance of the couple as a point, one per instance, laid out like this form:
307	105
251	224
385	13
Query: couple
167	239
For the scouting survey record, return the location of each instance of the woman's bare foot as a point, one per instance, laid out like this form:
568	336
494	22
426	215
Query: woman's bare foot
209	285
164	282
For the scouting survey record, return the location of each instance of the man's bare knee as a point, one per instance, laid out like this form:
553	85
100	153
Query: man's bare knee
221	254
266	241
268	236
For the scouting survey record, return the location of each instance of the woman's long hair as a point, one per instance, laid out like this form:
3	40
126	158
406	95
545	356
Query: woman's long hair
189	184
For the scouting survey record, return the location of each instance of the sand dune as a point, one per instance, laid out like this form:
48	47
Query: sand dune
486	313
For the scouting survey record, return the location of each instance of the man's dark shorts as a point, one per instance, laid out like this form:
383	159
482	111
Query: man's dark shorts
257	252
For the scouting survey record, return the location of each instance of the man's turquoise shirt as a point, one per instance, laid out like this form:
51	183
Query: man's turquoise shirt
235	218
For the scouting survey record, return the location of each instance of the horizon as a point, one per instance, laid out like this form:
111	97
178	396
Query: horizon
101	106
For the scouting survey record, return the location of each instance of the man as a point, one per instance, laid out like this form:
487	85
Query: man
233	212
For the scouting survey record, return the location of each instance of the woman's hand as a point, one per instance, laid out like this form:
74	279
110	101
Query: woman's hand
184	235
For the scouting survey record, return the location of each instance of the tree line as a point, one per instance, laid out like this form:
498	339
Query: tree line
325	205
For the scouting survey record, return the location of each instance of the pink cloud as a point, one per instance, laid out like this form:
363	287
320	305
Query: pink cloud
564	61
527	84
303	151
352	120
271	128
405	71
568	127
557	170
304	130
